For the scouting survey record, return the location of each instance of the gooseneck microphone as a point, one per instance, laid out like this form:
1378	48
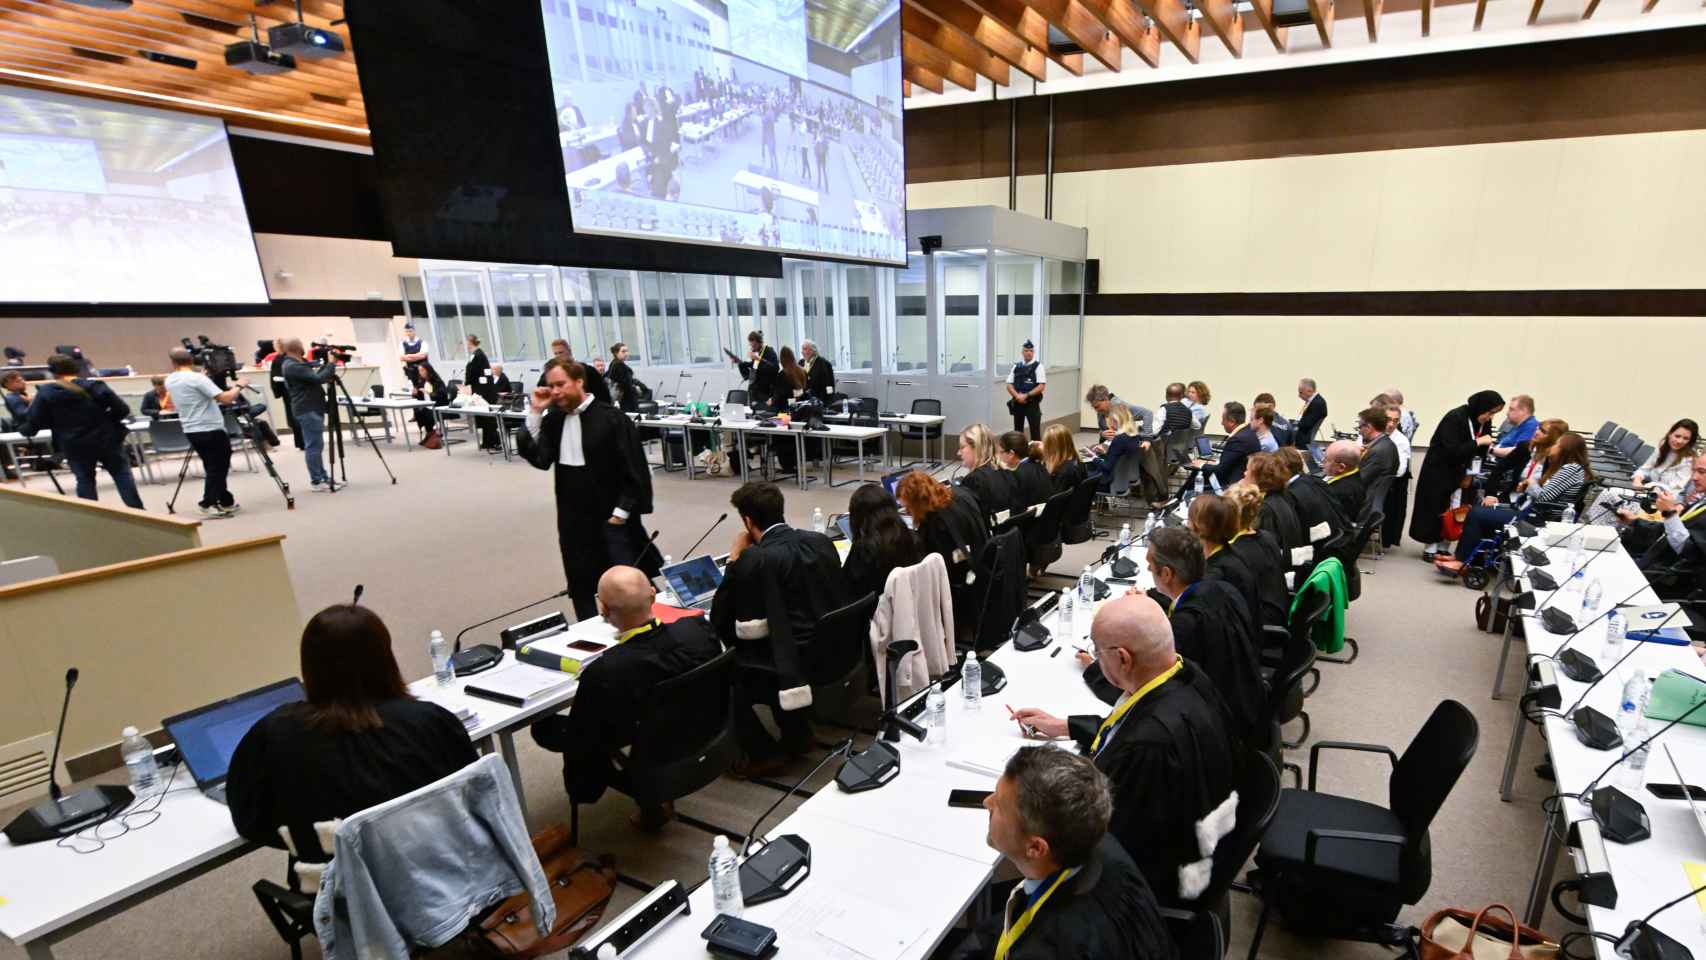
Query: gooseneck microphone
457	646
64	814
714	525
651	544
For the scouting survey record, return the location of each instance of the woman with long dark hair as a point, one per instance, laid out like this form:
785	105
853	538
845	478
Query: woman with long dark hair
793	378
1563	475
359	739
882	541
1461	436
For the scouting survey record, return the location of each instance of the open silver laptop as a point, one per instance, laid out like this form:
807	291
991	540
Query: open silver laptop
694	582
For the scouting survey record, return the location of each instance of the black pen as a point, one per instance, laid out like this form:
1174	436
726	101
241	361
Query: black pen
1056	652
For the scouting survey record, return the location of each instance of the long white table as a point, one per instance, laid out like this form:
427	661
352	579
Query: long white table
1648	873
48	893
740	429
901	845
898	421
396	408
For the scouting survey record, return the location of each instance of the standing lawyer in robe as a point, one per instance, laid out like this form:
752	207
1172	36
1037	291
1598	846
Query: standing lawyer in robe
1080	895
595	382
478	376
1025	385
1460	437
603	484
1166	749
762	371
779	582
1212	626
820	373
621	377
616	688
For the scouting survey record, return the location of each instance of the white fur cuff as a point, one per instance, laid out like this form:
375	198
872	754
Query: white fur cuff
1302	555
1214	827
1320	531
1194	878
752	629
798	698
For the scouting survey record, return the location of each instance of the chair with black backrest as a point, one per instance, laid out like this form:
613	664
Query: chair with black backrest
735	396
1286	692
1343	868
1375	498
1044	548
925	436
1203	930
166	436
685	740
862	412
837	661
1078	525
239	440
1352	548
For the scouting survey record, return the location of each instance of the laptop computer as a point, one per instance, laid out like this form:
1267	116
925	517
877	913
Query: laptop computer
694	582
1205	449
891	483
208	736
1682	781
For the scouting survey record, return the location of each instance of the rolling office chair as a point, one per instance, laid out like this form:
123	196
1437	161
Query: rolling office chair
1078	524
685	740
926	436
166	436
1047	532
1286	693
1343	868
1347	555
838	661
1204	930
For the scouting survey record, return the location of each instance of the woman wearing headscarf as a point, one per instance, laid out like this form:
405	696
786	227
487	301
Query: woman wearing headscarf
1461	436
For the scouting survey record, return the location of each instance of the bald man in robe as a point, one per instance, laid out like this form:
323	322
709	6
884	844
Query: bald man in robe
1343	471
1166	749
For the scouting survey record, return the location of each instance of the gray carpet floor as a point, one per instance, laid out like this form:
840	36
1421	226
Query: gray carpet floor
465	537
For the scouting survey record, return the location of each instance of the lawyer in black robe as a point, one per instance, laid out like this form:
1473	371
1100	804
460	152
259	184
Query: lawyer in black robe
621	377
1212	628
1032	484
995	489
1227	566
768	605
1318	512
1350	492
615	690
1450	452
612	482
820	379
1263	556
763	379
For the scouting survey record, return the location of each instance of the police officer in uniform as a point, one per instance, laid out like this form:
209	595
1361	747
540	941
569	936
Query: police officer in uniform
1025	392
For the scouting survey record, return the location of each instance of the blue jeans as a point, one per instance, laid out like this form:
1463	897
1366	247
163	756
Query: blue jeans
83	463
1482	523
312	426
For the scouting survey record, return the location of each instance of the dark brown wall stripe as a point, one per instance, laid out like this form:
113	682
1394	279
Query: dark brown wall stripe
1414	303
1632	83
277	308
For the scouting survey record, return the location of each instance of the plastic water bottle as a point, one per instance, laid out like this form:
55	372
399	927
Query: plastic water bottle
971	682
1068	621
936	713
1125	537
1086	588
667	559
1569	514
139	761
725	878
1202	482
1571	601
818	523
1616	630
1632	724
1591	598
440	650
1150	524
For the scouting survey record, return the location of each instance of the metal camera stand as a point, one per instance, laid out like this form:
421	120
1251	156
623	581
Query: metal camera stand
335	436
248	429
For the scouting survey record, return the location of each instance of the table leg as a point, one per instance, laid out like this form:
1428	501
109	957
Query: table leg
443	437
39	949
1504	654
503	436
1512	754
1542	887
403	428
687	450
800	461
506	744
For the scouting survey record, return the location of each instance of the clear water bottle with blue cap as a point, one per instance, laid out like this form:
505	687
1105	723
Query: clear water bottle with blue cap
936	712
1569	515
1086	587
1068	623
971	682
1125	537
725	878
1616	632
1591	598
1632	724
818	523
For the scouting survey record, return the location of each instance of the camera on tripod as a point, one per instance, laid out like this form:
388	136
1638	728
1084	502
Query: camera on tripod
335	352
217	359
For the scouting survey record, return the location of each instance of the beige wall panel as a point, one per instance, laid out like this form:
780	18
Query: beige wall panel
79	534
1674	254
1426	220
331	268
1030	195
957	193
1517	180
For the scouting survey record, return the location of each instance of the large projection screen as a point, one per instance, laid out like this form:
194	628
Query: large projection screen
105	202
760	124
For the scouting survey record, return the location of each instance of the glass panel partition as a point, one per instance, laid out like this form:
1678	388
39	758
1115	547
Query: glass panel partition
1018	281
1064	288
908	330
960	305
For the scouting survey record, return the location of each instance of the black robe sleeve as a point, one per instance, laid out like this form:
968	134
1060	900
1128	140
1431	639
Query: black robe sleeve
633	478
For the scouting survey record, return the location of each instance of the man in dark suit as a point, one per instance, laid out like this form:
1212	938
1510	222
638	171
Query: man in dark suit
596	384
820	374
760	369
603	485
1324	524
1242	443
663	140
779	582
1344	478
1379	453
1310	420
1081	895
615	689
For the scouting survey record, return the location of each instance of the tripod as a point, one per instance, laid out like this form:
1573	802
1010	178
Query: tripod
335	436
249	429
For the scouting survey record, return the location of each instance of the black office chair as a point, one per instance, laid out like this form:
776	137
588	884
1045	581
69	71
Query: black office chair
1286	692
735	396
1203	931
1375	498
1044	545
924	435
1343	868
685	740
838	659
1078	525
1347	555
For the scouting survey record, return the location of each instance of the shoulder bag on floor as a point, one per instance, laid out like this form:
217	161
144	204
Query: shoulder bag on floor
1454	934
581	885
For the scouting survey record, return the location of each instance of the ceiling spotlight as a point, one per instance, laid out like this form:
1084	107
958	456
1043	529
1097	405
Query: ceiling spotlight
302	40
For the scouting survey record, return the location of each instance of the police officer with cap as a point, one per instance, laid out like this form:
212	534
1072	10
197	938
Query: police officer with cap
1025	385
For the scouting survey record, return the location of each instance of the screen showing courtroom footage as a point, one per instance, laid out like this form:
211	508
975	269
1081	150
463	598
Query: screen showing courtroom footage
760	124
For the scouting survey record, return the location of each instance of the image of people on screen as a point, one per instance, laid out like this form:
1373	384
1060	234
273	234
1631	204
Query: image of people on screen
752	123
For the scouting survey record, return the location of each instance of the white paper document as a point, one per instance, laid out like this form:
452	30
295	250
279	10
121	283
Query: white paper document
844	927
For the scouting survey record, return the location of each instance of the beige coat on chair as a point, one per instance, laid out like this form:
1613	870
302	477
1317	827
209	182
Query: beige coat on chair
916	605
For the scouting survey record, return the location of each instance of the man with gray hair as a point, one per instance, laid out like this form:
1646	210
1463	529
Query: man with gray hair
1100	398
1081	895
820	373
196	398
1406	419
1166	749
1310	420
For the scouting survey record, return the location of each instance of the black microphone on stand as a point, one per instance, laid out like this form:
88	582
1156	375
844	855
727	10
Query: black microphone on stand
484	656
714	525
61	815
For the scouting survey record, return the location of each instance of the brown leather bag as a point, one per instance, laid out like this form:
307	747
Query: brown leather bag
1453	934
432	441
581	886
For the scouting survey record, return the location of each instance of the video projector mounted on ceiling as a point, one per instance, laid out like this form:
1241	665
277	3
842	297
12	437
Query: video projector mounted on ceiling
256	57
301	40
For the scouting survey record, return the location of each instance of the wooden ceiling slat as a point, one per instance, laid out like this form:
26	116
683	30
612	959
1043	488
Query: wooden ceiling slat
1264	11
1128	22
955	44
1082	27
994	37
1321	11
914	73
1030	26
936	61
94	73
266	14
1222	17
1371	14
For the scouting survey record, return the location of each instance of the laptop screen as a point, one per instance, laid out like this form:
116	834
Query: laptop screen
891	483
208	736
1204	448
693	580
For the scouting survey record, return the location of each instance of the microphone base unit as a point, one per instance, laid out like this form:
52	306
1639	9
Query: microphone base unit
52	819
774	871
1557	621
1621	818
475	659
1542	580
1642	941
1578	666
869	769
1595	729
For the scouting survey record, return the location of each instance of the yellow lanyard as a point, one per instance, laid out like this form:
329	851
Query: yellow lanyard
1216	550
1344	475
1012	934
1241	533
1121	710
627	635
1690	515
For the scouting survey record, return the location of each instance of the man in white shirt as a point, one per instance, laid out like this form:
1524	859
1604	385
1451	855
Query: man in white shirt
603	485
197	400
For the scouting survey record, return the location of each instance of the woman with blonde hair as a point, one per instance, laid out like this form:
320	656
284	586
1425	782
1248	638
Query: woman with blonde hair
1060	457
985	478
1261	552
1125	443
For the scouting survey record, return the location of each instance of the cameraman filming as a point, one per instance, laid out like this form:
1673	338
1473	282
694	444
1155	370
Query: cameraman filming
307	385
197	399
